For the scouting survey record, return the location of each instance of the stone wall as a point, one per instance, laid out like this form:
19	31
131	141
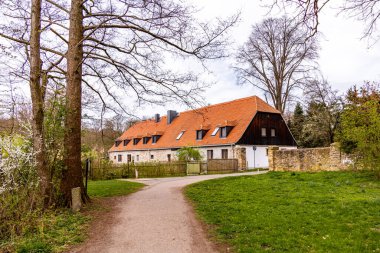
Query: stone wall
241	154
308	159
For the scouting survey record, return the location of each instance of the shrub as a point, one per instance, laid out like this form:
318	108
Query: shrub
188	154
361	129
359	132
18	187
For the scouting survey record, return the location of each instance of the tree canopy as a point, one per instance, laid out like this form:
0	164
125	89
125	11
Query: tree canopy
277	59
360	125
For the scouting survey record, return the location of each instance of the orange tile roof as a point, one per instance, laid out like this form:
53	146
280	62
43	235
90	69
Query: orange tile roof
237	113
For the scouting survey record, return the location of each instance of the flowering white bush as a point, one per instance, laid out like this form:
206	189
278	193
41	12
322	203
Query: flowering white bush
19	199
17	163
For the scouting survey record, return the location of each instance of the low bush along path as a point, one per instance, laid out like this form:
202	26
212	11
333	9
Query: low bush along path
155	219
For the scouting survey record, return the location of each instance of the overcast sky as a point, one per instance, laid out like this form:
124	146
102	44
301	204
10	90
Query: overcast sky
344	60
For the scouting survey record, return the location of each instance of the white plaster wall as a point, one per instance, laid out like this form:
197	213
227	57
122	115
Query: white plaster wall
261	157
258	158
161	155
144	155
217	152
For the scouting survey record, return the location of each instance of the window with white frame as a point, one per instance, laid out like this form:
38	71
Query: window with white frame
146	140
180	135
210	154
263	132
199	134
224	153
223	132
215	131
155	138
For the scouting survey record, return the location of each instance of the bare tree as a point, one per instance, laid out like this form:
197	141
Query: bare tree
37	91
277	59
11	104
72	174
367	11
118	50
152	30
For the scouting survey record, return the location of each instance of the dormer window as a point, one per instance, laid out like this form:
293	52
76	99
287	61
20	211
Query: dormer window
155	138
125	142
224	131
180	135
146	140
117	143
215	131
200	134
136	140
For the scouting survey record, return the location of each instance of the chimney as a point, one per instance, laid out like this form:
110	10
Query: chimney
157	118
171	116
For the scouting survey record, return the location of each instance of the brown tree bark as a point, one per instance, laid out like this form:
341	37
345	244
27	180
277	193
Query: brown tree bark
72	174
37	91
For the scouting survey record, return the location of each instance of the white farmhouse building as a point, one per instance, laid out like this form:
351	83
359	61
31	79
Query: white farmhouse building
240	129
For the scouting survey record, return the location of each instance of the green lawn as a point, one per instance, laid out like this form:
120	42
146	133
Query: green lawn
292	212
110	188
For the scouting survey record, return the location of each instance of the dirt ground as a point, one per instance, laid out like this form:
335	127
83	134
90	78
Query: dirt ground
155	219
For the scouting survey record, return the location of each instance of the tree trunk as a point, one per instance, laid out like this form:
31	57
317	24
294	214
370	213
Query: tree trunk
72	174
38	94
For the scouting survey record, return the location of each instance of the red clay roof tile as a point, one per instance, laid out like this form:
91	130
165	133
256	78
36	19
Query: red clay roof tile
237	113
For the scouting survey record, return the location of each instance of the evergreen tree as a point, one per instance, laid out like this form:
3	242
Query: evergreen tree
296	123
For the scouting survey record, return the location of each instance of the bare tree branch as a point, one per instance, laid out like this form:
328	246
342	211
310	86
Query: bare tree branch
276	54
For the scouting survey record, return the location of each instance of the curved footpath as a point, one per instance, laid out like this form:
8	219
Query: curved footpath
154	219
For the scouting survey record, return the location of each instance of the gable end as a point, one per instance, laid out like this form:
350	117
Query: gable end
267	129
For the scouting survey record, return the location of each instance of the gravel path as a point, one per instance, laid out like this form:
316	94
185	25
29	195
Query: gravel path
155	219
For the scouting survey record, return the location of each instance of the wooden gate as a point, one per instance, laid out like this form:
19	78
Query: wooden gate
193	168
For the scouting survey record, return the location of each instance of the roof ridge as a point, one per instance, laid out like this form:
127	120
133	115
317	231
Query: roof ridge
213	105
266	104
222	103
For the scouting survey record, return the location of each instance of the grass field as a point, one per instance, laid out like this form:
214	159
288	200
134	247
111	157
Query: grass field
61	228
292	212
110	188
57	230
